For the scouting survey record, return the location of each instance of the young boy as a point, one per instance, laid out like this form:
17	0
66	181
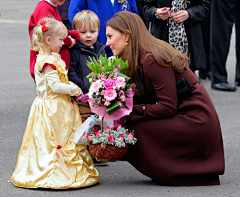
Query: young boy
87	24
48	8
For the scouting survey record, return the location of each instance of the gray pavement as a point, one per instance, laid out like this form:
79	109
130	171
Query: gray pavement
17	92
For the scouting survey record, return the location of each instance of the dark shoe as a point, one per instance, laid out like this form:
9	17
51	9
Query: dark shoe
99	162
204	74
237	83
224	86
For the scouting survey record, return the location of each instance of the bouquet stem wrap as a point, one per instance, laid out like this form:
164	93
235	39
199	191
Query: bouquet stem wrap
118	111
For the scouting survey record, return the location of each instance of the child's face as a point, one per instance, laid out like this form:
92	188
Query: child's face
56	42
57	2
88	37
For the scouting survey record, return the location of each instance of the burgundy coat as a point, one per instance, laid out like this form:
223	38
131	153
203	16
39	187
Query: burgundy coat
178	143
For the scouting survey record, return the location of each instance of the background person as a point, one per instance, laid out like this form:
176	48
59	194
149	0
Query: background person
223	15
63	11
178	22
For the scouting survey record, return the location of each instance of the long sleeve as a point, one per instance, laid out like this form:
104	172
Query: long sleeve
149	9
134	6
75	7
58	87
163	82
74	70
198	12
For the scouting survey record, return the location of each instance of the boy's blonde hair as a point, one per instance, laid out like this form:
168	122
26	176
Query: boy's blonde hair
86	19
53	27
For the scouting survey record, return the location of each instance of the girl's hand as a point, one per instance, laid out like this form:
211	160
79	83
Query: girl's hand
180	16
78	91
163	13
73	42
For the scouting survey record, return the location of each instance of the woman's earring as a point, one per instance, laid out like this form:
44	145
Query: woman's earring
126	43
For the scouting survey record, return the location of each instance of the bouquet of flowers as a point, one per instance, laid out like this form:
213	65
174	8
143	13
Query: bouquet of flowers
111	92
110	96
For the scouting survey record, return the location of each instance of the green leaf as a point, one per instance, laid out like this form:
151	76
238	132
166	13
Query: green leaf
111	109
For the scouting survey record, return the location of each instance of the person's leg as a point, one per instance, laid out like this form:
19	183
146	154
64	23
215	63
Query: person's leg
67	24
237	28
222	20
205	73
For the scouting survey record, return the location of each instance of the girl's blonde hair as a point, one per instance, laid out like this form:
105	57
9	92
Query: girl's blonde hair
140	40
86	19
54	28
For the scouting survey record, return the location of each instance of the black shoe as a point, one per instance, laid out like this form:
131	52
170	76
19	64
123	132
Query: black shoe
204	74
237	83
99	162
224	86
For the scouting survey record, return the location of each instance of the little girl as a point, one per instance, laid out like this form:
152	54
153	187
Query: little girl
48	157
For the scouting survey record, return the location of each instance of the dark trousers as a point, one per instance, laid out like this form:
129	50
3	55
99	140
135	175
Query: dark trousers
224	13
206	41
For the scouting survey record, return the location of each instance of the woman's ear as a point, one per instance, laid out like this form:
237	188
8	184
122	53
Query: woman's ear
127	37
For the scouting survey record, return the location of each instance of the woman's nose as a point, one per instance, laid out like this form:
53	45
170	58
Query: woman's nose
107	43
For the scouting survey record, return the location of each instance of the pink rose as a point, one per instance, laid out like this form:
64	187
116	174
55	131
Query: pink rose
119	126
107	129
111	138
88	137
121	136
130	136
109	83
97	134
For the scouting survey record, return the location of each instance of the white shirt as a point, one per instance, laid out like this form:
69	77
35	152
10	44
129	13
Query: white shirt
49	1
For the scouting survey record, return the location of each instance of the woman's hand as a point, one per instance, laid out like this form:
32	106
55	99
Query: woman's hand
180	16
163	13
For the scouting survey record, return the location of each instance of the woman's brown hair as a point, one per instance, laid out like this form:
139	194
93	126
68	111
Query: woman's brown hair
140	40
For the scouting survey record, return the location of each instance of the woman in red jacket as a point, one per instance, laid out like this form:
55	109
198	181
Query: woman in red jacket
175	122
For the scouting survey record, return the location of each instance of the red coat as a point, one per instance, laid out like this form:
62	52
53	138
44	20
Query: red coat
44	9
178	143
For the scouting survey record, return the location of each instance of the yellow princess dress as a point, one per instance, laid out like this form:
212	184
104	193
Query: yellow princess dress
48	157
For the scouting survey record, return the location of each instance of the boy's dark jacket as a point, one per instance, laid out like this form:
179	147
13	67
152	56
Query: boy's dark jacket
78	70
